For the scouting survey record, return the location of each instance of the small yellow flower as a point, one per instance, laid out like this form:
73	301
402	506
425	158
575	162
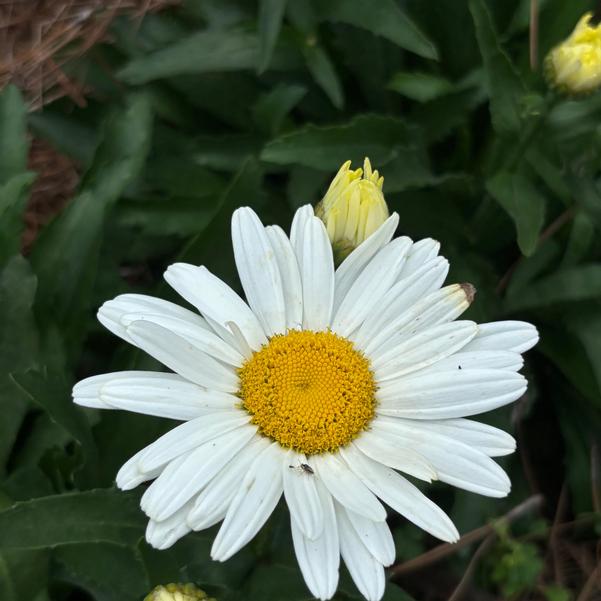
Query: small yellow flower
177	592
353	207
574	66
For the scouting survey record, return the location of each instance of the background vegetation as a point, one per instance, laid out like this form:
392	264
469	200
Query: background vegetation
193	111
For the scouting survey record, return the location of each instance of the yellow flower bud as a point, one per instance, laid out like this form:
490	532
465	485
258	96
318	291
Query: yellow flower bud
574	66
177	592
353	208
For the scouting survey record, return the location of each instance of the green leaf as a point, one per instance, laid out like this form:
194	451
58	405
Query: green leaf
588	195
504	84
81	517
586	326
53	395
524	204
545	257
326	148
15	181
13	199
422	87
269	22
23	574
65	260
582	236
565	350
555	592
324	73
227	152
204	52
384	18
278	583
13	139
517	566
245	188
18	346
566	285
124	144
272	108
66	253
67	134
106	571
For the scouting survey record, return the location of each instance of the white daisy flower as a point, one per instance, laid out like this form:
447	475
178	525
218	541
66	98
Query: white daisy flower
325	386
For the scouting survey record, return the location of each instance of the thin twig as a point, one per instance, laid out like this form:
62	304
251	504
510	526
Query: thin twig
553	548
425	559
590	584
533	34
464	583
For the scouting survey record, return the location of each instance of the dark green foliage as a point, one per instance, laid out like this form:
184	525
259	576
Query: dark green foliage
211	105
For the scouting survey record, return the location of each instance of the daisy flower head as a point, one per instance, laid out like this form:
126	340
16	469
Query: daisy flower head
329	387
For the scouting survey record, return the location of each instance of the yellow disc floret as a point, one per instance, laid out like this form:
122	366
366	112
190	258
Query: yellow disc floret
309	391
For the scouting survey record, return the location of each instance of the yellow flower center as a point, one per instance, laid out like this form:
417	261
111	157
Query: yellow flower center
309	391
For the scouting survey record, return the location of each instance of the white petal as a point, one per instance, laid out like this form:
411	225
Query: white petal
485	438
422	349
319	558
301	495
421	252
173	488
190	435
162	535
455	462
346	488
402	296
253	504
297	230
370	286
201	338
213	501
87	392
400	494
353	265
441	306
376	537
290	274
365	570
130	476
515	336
111	312
478	360
398	456
317	274
216	301
165	474
182	357
238	337
171	397
258	270
449	394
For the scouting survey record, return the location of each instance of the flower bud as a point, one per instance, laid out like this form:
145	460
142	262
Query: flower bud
574	66
353	208
177	592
